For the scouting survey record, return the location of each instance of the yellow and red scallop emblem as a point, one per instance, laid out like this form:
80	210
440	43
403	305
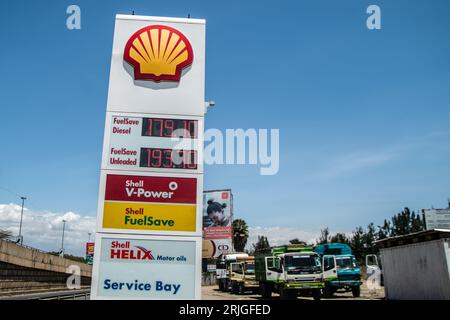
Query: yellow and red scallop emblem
158	53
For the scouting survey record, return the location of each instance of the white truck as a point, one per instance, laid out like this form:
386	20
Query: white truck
222	267
294	270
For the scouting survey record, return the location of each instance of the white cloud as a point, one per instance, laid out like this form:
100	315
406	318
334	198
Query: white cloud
356	161
43	230
280	235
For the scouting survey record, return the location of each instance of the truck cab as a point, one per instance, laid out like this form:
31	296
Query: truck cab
242	275
294	270
222	269
348	271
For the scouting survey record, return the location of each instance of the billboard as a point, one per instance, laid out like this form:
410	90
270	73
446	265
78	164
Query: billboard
146	267
89	252
214	248
150	203
217	214
437	218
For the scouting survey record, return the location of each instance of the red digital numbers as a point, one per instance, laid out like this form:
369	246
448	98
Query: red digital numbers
168	158
169	128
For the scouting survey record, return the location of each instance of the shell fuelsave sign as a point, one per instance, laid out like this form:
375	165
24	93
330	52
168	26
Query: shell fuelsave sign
150	203
149	221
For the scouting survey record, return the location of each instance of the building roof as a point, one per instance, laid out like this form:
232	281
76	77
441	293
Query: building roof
421	236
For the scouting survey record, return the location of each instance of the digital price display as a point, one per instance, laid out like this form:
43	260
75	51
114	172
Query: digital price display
168	158
169	128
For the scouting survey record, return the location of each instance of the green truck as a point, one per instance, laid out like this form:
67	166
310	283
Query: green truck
293	270
348	271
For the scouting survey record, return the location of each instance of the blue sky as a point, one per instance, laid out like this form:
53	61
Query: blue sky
363	115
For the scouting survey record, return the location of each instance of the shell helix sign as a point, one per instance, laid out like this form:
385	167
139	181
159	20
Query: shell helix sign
149	221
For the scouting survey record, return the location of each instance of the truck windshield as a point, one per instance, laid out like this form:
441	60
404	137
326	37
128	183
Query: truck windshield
300	262
345	262
249	268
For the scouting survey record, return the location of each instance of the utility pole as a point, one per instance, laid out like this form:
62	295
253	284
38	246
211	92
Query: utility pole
21	218
62	241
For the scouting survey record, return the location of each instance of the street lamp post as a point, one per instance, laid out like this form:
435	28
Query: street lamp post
21	218
62	241
89	237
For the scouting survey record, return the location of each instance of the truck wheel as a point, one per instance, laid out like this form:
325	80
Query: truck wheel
266	290
234	287
327	292
241	288
356	292
317	294
221	287
286	294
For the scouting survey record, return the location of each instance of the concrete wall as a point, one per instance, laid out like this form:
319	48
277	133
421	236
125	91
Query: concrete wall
14	254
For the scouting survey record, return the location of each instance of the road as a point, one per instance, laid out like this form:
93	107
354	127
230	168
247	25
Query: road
208	293
212	293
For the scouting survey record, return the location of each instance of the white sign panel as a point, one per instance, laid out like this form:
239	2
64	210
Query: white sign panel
183	97
146	268
437	218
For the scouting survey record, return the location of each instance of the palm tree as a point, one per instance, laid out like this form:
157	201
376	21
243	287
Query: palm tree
5	234
240	234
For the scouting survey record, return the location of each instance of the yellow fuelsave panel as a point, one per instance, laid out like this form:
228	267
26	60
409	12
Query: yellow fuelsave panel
149	216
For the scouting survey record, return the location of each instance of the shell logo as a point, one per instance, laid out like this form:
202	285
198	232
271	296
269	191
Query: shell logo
158	53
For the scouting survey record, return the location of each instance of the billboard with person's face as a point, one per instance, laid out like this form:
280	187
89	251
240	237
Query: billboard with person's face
217	214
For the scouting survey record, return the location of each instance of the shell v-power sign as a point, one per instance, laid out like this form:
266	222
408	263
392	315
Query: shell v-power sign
149	221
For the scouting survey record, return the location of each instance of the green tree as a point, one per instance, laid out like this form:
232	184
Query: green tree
297	241
368	239
384	231
324	236
5	234
261	246
357	243
404	222
340	237
240	234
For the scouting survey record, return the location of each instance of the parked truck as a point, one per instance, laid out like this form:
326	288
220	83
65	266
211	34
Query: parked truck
348	271
242	275
294	270
222	269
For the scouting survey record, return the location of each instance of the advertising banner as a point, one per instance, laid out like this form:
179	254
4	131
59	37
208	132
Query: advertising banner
150	204
141	267
437	218
89	252
217	214
216	247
